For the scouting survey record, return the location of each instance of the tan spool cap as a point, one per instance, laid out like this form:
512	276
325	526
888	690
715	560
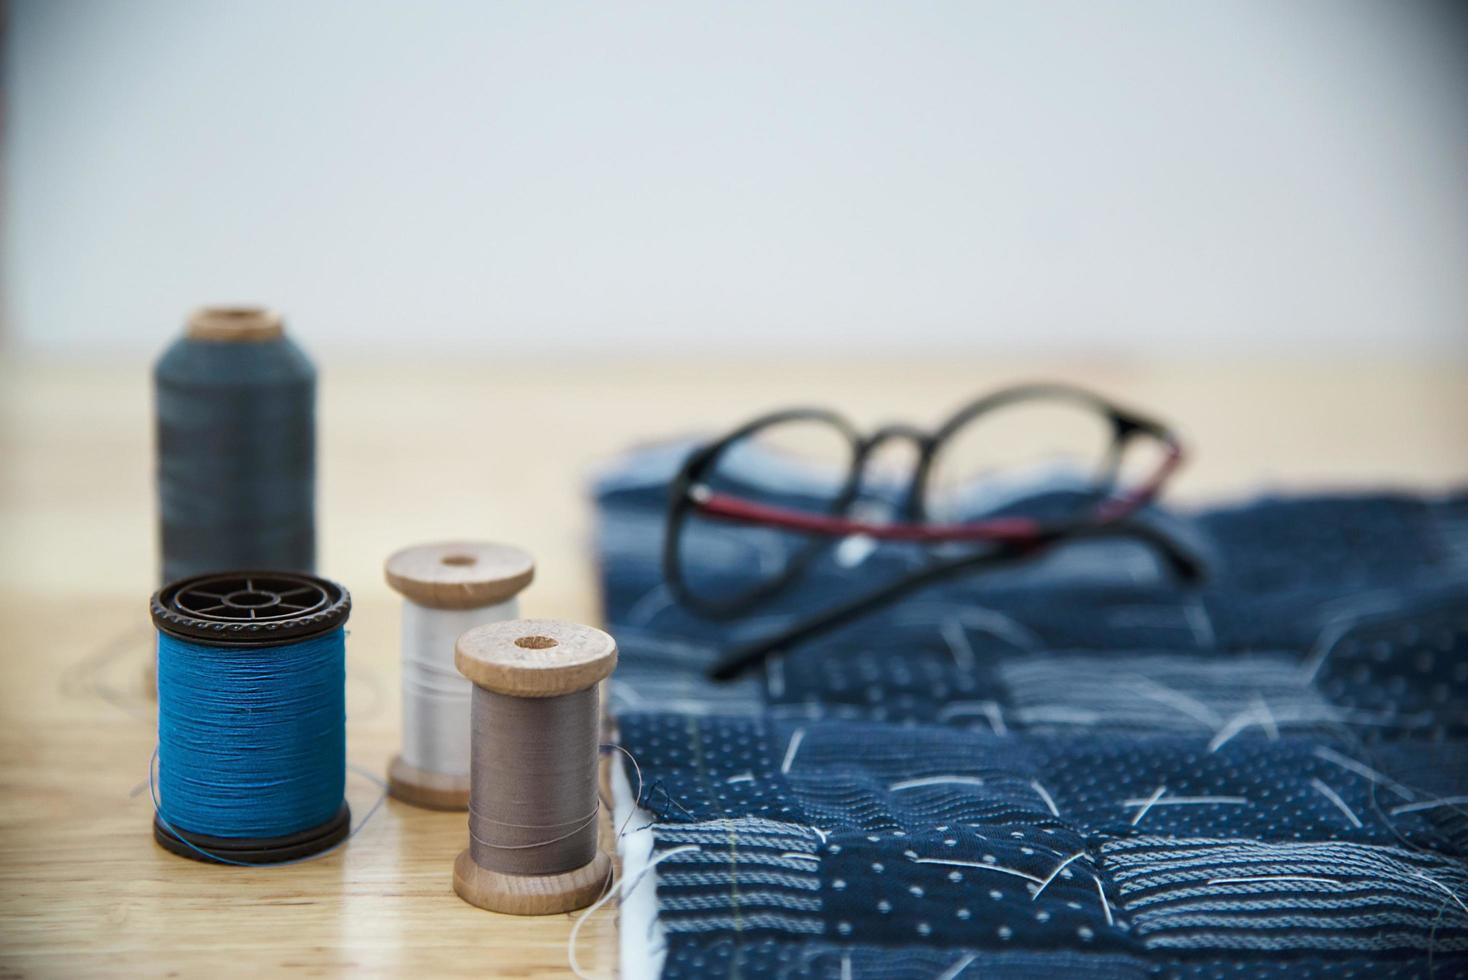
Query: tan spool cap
534	658
450	575
459	574
234	324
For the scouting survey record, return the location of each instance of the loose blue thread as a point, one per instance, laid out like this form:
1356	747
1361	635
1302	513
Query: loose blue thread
252	741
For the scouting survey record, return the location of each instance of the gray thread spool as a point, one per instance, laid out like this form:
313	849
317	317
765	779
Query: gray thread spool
533	802
235	415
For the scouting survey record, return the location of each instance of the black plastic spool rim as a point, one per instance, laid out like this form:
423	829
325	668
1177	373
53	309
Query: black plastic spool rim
251	609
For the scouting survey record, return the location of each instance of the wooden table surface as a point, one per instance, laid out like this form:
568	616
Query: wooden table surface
499	449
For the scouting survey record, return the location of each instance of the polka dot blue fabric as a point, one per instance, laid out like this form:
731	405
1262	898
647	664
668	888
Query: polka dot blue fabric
1075	768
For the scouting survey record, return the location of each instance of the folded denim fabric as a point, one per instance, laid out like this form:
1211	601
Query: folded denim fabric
1076	767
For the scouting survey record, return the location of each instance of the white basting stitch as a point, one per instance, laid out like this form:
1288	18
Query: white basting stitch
656	600
1051	877
1428	805
743	777
1265	716
1335	798
936	781
980	865
1188	801
1361	769
1105	905
775	676
958	967
1173	698
1335	629
846	965
791	749
1232	727
819	833
1035	784
1202	627
998	625
802	855
1150	802
958	645
989	709
1059	713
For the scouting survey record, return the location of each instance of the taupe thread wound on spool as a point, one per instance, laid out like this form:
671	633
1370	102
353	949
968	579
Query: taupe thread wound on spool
533	802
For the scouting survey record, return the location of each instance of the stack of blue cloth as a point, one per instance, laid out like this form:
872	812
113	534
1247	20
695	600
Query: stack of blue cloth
1075	767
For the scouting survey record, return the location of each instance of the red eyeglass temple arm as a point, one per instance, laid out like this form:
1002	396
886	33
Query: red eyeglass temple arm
1002	529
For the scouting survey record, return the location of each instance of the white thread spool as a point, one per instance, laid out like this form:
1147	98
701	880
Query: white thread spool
447	588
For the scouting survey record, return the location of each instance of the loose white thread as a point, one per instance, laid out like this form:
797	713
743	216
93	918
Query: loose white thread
611	892
1429	805
1448	891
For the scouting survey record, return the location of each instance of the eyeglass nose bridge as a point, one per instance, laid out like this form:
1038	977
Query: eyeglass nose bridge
909	507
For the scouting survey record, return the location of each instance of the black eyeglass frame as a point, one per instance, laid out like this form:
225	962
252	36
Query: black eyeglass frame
685	499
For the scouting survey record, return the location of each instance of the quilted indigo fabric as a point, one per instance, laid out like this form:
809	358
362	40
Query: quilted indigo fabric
1073	768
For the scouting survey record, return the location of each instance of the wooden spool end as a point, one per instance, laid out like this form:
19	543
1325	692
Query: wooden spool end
496	891
422	787
459	574
234	324
535	658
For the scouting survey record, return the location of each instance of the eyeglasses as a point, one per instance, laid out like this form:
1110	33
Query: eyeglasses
805	481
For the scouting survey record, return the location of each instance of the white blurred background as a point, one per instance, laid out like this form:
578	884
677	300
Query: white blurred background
1225	179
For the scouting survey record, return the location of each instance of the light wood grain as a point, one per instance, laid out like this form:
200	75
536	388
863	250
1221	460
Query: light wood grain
459	574
535	658
531	894
436	451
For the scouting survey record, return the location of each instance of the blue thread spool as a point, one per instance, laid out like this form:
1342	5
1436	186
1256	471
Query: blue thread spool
251	716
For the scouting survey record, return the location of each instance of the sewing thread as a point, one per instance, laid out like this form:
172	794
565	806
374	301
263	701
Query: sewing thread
251	716
235	423
534	805
447	588
252	740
